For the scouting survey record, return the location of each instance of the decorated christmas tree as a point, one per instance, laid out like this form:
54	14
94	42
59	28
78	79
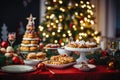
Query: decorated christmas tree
67	20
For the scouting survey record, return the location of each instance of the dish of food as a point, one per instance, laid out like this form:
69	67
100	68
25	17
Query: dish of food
84	67
60	61
60	66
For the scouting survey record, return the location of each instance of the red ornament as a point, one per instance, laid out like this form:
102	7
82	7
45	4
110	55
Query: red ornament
22	62
41	45
104	53
81	18
60	41
71	25
4	44
91	61
16	60
53	2
41	66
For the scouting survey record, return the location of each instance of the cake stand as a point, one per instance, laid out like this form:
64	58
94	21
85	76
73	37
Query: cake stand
82	51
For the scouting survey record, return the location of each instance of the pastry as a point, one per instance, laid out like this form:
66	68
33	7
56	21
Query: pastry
40	55
31	56
33	48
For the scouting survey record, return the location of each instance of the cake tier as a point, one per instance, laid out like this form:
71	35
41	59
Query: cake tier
29	44
30	38
30	41
29	48
30	35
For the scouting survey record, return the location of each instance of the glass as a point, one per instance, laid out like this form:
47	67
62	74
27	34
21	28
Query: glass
113	46
11	38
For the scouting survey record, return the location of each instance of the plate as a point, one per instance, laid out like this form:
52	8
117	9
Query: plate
78	66
60	66
50	48
17	68
33	62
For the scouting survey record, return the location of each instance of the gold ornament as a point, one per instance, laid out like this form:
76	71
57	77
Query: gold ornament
111	65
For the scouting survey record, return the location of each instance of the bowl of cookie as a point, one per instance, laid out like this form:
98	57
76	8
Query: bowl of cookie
33	59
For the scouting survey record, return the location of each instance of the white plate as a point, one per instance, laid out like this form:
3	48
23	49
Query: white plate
78	66
17	68
50	48
60	66
81	49
33	62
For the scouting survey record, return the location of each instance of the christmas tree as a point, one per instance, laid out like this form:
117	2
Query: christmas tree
67	20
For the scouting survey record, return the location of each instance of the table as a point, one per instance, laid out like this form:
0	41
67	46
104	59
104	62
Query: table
100	73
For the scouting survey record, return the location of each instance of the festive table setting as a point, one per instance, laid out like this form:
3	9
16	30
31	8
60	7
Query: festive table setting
77	60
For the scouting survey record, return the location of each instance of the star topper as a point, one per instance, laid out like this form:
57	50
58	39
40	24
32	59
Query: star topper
31	19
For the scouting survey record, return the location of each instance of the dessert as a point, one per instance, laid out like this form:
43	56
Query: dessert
60	60
40	55
30	38
50	45
31	56
82	44
37	56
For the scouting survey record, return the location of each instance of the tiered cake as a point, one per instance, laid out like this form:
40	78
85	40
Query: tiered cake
30	39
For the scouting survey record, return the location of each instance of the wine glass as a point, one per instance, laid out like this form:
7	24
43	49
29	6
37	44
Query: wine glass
113	47
11	37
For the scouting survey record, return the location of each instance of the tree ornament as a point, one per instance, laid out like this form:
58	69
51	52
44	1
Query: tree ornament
71	25
111	65
4	44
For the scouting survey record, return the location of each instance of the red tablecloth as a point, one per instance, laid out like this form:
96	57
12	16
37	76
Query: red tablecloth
100	73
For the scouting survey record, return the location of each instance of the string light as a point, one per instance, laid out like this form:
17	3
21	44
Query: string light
64	35
60	1
53	33
81	2
55	41
52	16
93	6
47	17
52	23
92	22
48	25
43	33
96	32
76	13
62	9
54	0
76	4
81	14
81	27
62	44
89	16
41	28
81	21
48	7
68	31
57	21
58	30
60	16
87	2
70	34
47	36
